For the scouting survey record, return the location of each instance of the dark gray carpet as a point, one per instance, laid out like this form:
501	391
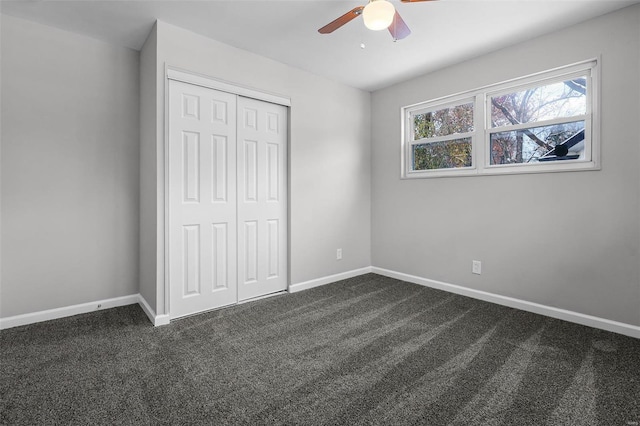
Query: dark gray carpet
368	350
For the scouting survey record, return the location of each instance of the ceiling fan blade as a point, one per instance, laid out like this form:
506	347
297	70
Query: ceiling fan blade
334	25
414	1
398	28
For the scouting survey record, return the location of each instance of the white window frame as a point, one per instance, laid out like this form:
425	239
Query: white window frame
480	137
434	106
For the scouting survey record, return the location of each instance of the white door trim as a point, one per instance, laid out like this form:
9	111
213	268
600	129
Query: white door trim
225	86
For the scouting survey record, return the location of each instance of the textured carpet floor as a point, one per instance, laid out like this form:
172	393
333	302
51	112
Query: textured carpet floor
368	350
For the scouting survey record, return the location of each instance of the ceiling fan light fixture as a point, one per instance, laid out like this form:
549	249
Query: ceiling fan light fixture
378	15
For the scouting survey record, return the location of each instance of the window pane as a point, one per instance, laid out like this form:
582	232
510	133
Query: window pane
557	100
443	122
538	144
442	155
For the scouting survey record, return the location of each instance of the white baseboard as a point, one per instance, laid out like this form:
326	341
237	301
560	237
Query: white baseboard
563	314
156	320
293	288
67	311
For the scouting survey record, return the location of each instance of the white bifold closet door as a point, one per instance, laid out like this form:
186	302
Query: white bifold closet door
227	198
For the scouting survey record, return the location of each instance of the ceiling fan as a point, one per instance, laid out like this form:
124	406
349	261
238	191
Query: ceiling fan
377	15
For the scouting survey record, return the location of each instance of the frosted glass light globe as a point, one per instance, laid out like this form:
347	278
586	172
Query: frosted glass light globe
378	15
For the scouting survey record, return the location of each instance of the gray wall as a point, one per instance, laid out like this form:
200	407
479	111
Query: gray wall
69	169
148	170
329	152
433	228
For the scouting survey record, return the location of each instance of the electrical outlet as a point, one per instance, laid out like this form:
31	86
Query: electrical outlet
339	254
476	267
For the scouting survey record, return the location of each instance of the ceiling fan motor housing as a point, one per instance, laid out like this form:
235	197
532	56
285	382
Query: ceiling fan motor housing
378	15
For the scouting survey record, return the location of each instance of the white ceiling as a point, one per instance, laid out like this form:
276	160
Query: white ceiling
443	32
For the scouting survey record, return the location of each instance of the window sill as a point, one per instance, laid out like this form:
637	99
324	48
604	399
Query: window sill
509	169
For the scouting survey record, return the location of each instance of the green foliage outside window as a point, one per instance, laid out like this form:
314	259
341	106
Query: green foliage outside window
442	155
443	122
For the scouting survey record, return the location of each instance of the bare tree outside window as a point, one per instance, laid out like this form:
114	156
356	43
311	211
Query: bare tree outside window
543	104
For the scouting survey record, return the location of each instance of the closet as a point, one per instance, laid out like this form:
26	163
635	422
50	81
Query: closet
227	199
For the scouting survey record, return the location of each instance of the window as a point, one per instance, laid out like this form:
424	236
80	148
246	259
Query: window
442	137
538	123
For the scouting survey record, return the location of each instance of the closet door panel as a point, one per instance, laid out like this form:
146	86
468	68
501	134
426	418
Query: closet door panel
202	199
262	207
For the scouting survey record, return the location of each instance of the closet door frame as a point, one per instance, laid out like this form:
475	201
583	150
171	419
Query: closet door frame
185	76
